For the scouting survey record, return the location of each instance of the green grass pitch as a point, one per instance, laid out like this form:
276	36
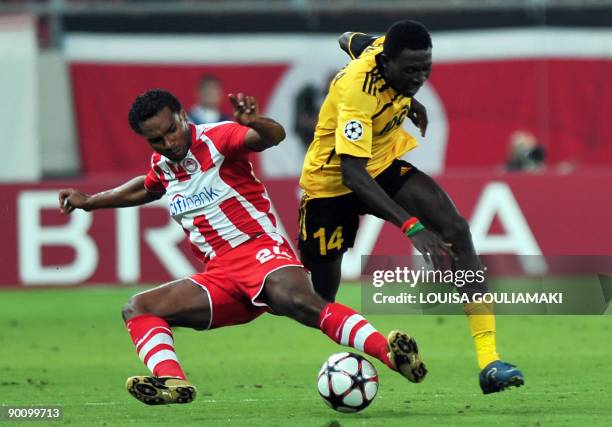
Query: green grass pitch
70	348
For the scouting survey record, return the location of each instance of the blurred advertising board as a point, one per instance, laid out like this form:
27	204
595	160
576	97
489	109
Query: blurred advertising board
527	214
485	85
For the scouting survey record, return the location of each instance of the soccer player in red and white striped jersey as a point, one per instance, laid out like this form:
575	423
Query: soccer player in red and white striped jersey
212	193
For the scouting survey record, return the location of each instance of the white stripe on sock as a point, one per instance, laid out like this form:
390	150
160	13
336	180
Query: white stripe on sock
362	335
140	341
160	356
348	326
157	339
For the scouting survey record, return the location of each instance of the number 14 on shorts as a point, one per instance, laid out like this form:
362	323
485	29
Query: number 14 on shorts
335	240
265	255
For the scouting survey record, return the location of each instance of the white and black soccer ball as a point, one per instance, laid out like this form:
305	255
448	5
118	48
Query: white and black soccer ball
353	130
347	382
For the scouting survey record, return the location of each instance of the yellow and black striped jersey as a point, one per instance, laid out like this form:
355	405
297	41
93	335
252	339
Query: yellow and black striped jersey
361	116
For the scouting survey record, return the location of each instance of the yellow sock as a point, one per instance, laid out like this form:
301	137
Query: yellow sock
482	324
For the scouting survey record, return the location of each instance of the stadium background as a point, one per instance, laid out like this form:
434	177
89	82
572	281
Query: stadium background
70	69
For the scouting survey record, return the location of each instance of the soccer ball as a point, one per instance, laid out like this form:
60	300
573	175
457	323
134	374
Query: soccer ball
347	382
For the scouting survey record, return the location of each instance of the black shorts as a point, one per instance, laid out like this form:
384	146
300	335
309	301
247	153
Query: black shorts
328	225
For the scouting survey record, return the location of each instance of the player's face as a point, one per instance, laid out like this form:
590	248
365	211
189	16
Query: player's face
409	71
211	95
168	134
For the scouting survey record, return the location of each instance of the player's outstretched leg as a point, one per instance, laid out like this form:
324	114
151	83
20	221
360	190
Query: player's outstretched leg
148	317
288	291
399	351
425	199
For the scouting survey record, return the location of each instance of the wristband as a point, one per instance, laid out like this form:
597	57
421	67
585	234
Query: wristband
412	226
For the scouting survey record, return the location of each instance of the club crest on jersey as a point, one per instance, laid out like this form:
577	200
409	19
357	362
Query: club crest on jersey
180	204
353	130
190	165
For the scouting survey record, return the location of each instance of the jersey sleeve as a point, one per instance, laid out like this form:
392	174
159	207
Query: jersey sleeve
354	127
228	137
153	183
358	42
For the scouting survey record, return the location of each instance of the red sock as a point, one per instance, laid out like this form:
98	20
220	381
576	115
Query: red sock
347	327
154	343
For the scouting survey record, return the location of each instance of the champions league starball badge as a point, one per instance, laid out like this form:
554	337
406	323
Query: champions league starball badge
353	130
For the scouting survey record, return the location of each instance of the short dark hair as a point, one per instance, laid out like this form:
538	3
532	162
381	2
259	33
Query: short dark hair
149	104
208	78
406	35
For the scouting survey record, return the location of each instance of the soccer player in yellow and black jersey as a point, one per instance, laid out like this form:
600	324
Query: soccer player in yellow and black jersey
352	168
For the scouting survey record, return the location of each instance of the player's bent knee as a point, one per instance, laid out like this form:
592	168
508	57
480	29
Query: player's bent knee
127	312
135	306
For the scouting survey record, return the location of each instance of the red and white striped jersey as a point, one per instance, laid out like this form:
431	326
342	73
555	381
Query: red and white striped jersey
212	193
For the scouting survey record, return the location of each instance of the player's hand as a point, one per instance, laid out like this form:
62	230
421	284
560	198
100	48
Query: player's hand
245	108
434	250
418	116
71	199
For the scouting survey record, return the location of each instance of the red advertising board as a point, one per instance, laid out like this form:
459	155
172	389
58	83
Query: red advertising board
482	104
513	214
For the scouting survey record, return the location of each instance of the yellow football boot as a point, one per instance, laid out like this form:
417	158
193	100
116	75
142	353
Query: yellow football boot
404	356
161	390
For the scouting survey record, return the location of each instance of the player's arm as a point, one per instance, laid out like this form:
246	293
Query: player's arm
264	132
356	178
354	146
132	193
355	43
